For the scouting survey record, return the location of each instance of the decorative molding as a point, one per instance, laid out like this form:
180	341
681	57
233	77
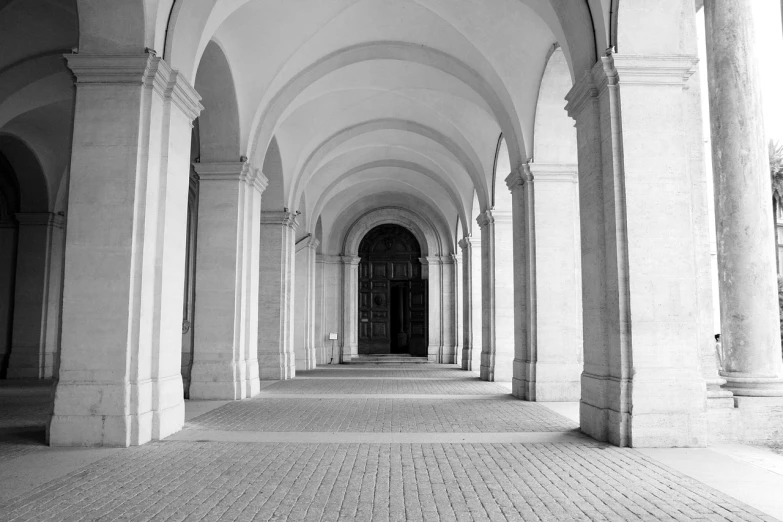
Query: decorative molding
519	177
664	69
309	241
279	218
565	172
493	216
469	242
222	171
583	92
350	260
328	259
141	69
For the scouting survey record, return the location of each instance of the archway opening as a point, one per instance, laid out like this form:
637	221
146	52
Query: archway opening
392	293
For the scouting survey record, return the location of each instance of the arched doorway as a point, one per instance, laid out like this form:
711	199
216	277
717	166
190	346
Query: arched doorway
392	294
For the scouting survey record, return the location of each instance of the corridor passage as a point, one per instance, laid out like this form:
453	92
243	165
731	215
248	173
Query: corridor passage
355	442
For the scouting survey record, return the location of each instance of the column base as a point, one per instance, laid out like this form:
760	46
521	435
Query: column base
85	414
168	421
216	381
252	384
485	373
751	386
554	382
283	367
466	358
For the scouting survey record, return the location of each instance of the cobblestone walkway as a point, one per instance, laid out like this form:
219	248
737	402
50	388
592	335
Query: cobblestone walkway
213	479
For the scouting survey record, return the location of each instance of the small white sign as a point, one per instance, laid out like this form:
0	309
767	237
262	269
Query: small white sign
332	336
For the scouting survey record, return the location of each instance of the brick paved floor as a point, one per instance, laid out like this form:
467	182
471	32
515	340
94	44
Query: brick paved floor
217	480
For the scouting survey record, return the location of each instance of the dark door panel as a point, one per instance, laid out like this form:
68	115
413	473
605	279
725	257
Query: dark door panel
392	295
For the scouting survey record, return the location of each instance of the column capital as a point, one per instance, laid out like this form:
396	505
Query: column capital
309	241
432	260
287	219
555	172
469	242
222	170
492	216
350	260
328	259
581	94
519	177
142	69
663	69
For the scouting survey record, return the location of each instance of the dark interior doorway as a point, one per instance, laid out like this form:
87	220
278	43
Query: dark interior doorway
392	294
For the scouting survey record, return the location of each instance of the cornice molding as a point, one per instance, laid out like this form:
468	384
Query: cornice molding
137	69
493	216
350	260
519	177
287	219
554	172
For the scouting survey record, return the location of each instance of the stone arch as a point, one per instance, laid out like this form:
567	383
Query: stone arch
274	198
219	121
267	117
461	151
421	227
453	196
437	269
501	197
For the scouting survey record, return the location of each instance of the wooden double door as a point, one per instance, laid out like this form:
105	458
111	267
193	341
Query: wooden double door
392	294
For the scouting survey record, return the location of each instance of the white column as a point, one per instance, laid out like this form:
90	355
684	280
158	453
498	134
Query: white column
31	357
750	318
225	269
641	383
431	270
350	329
119	377
304	336
448	303
471	303
276	296
550	355
7	278
497	344
458	309
320	333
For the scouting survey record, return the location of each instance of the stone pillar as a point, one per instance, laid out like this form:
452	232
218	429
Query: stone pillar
431	268
319	333
350	333
641	384
7	278
448	271
467	303
750	319
226	265
119	377
459	306
276	296
306	357
549	321
333	307
31	357
497	263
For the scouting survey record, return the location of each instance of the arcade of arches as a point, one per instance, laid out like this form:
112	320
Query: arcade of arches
516	187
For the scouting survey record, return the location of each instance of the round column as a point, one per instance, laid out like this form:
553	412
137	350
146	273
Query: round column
743	206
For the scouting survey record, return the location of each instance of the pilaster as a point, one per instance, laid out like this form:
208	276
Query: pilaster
641	383
350	329
276	300
226	258
497	351
119	379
